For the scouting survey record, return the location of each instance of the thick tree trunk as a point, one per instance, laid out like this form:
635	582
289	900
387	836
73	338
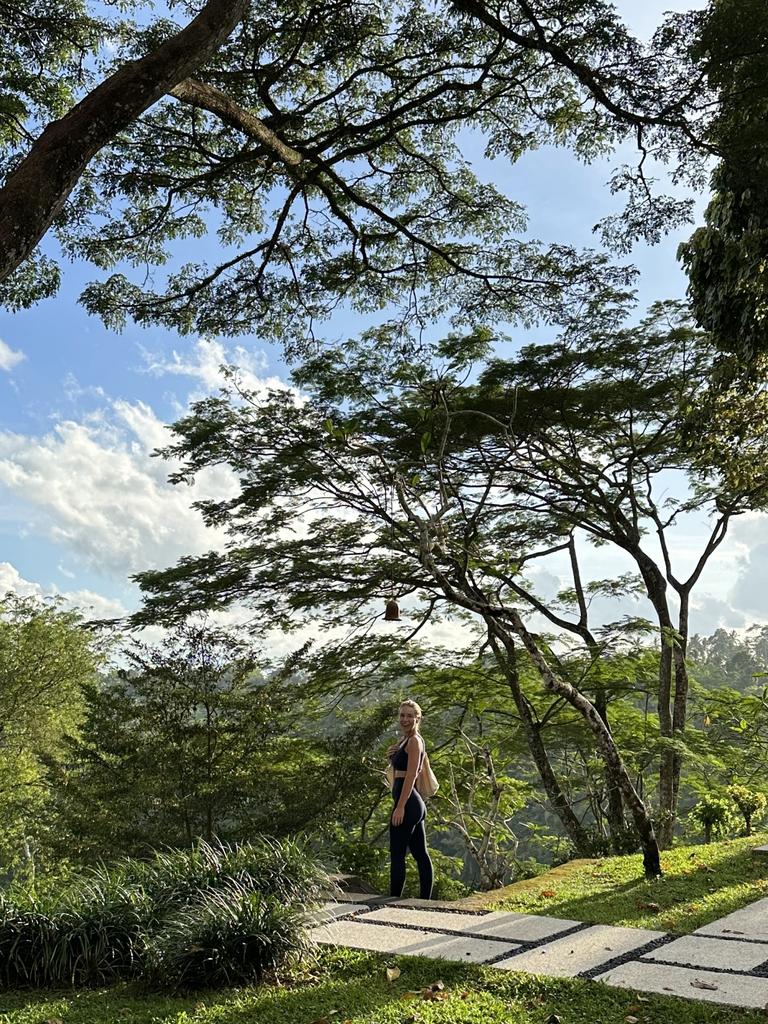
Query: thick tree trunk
36	191
559	802
605	743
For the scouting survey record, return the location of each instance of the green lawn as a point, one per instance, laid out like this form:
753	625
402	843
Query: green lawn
348	987
700	884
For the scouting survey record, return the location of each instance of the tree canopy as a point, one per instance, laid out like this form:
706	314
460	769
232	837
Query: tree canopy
321	145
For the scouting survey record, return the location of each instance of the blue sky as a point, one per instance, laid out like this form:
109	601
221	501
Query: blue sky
82	503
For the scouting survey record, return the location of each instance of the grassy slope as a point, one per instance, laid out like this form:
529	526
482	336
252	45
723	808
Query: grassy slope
700	884
349	987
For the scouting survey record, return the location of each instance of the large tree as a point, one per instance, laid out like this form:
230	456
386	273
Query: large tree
189	740
464	484
46	657
727	258
319	144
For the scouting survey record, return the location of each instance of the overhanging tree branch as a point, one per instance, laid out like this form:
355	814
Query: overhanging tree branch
34	194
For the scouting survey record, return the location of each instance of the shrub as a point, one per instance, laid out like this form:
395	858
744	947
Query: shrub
91	945
750	803
111	922
231	935
713	814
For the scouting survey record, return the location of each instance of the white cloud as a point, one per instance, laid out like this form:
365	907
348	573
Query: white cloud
74	390
9	357
205	362
91	604
94	489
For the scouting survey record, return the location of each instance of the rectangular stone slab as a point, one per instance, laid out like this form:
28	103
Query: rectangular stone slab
355	897
700	951
517	927
750	922
731	989
583	951
409	942
334	911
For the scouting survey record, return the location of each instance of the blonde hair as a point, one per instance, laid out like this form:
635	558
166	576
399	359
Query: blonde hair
408	703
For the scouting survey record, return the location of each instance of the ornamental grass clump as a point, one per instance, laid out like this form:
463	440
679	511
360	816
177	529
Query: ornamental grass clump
283	868
215	914
230	935
92	944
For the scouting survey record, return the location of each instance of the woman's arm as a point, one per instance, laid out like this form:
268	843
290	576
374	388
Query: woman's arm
413	749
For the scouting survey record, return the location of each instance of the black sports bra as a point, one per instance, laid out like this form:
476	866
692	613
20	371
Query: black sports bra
399	759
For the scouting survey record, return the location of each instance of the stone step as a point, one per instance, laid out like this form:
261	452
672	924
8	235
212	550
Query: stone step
335	911
750	922
583	951
409	942
517	927
708	951
690	983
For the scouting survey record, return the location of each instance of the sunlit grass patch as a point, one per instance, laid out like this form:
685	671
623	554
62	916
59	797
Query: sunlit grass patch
700	884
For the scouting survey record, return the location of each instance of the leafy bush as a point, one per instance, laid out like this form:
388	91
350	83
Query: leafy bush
283	868
713	814
750	802
371	864
359	857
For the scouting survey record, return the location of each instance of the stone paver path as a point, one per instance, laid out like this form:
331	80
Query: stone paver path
723	962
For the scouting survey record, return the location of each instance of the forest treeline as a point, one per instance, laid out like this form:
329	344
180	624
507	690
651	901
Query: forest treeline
114	748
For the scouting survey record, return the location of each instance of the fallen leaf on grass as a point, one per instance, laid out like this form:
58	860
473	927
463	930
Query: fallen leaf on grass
648	906
434	992
393	973
326	1019
547	893
631	1020
554	1019
704	984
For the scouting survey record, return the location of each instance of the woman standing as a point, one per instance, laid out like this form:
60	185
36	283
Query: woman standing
406	826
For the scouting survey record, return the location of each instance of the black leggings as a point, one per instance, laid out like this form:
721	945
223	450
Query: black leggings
412	836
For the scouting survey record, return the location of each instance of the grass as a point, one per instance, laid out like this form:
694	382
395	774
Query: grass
700	884
350	987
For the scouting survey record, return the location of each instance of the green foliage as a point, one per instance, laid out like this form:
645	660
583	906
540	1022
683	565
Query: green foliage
230	935
371	863
46	656
359	857
191	740
727	259
244	906
714	814
336	172
750	802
